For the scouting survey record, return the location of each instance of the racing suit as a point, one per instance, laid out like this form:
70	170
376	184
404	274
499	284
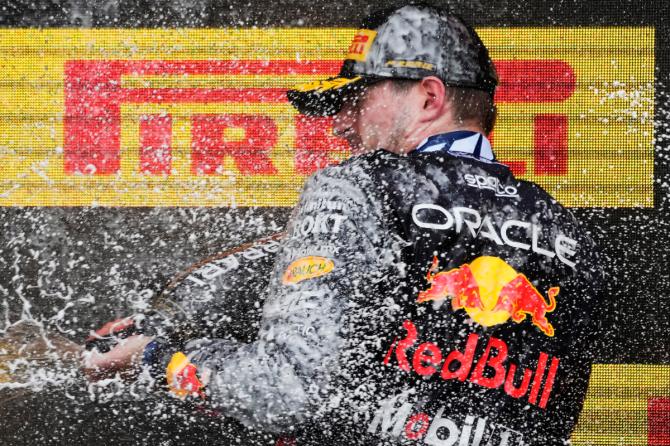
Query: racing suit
430	298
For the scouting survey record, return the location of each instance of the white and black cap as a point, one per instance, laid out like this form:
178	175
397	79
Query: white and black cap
411	42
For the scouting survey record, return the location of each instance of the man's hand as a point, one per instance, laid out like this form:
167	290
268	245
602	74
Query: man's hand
113	349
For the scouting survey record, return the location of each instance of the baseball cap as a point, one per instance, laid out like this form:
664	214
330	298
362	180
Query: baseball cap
411	42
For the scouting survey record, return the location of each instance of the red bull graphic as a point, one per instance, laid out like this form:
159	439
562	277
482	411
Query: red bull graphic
427	360
491	292
182	379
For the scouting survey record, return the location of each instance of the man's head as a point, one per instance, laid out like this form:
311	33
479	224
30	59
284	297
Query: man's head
396	115
410	73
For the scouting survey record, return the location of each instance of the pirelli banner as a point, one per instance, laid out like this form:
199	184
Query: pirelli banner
123	117
199	117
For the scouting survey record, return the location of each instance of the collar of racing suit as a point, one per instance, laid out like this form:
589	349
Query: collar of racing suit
459	143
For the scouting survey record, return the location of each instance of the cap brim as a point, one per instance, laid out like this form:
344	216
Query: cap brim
324	98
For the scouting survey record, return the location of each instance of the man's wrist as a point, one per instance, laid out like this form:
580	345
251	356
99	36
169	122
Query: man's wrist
156	356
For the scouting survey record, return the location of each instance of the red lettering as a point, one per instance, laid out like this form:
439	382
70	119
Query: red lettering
510	389
537	380
551	144
428	353
92	121
658	421
494	362
156	144
387	357
539	81
464	360
94	95
534	81
401	351
209	144
549	383
314	142
490	370
411	430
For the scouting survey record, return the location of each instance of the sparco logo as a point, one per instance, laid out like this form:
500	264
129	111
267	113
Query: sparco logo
491	183
440	430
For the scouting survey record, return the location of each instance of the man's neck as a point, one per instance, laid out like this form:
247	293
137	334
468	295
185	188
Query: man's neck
415	138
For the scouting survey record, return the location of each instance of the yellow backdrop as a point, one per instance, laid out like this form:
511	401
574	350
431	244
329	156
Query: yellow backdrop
199	117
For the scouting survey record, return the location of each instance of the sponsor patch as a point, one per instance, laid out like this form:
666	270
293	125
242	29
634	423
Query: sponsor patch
361	44
403	419
514	233
491	183
410	64
322	223
491	292
307	268
490	369
182	378
325	85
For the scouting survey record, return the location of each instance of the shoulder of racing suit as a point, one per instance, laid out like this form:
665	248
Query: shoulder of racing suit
507	286
423	298
336	253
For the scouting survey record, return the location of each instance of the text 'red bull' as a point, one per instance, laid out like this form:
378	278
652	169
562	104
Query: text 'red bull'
428	360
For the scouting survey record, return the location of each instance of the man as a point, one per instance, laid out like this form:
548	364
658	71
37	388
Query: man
423	294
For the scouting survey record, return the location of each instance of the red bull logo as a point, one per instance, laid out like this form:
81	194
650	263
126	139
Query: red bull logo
491	292
492	369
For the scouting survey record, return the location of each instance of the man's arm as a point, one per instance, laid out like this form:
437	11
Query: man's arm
336	247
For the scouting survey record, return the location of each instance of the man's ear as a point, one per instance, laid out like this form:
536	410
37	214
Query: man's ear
432	90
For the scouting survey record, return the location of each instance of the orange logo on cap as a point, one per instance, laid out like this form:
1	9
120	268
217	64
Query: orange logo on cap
361	44
491	292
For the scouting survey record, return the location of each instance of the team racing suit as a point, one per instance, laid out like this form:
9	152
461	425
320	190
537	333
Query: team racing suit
431	299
